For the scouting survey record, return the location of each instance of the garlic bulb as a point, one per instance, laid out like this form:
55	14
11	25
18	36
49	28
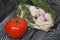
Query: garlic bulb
33	10
42	20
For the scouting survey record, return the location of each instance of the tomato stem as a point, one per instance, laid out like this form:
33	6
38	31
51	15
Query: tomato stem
18	12
16	20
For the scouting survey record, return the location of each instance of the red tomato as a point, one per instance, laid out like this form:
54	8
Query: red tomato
16	29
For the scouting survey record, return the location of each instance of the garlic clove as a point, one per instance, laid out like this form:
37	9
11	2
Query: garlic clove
40	19
48	16
41	11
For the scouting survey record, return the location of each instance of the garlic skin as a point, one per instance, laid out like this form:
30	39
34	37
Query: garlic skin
40	19
31	8
48	16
